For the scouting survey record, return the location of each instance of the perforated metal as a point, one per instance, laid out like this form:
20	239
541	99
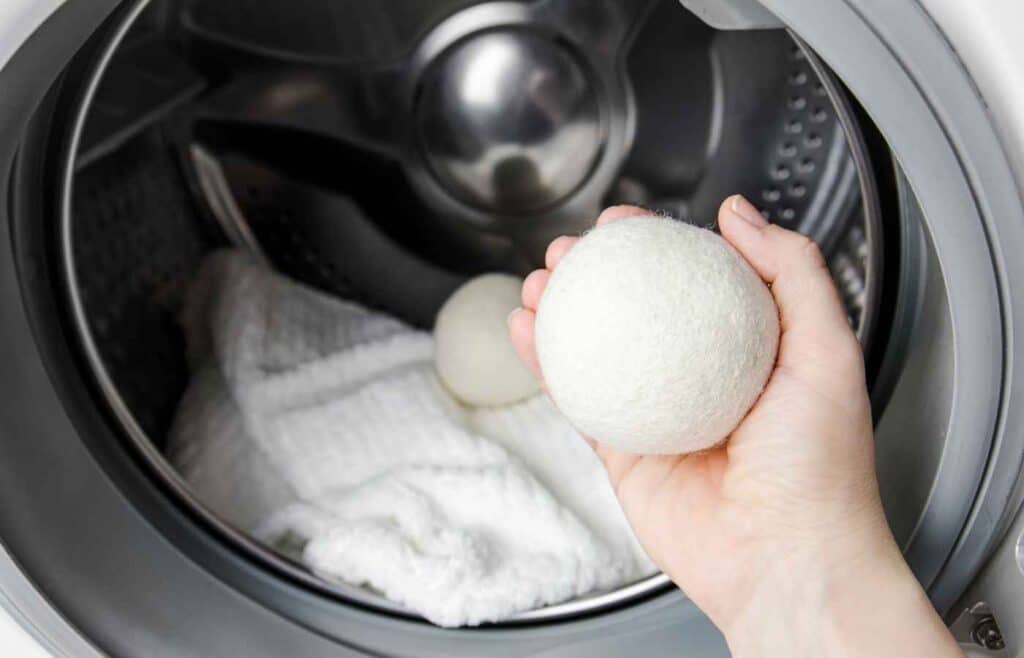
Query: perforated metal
137	242
805	137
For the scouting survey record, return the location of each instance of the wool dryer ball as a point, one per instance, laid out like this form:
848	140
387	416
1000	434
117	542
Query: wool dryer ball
655	337
473	353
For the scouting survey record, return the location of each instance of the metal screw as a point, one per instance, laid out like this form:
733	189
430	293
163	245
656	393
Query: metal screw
987	634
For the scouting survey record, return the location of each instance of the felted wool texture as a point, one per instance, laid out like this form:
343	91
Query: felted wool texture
313	422
472	350
655	336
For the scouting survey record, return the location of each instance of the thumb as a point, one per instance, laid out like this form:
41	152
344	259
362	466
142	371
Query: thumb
817	340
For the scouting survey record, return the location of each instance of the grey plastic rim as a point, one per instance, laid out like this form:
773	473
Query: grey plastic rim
896	62
165	471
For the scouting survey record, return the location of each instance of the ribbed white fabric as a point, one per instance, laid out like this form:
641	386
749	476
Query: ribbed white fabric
313	418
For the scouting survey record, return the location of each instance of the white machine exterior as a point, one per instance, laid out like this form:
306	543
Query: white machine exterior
18	19
986	37
15	641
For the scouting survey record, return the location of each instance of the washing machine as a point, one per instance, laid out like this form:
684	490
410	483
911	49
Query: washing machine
383	152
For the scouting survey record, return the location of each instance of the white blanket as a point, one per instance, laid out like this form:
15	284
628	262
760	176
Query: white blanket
313	418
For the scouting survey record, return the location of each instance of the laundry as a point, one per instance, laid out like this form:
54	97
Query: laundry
313	422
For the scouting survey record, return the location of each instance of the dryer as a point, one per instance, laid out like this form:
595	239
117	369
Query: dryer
330	136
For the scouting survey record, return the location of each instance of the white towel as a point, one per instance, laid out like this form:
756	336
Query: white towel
313	418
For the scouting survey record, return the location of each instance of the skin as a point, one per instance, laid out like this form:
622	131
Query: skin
778	535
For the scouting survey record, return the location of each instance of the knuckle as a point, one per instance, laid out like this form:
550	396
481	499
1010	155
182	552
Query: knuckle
799	254
805	254
796	244
809	251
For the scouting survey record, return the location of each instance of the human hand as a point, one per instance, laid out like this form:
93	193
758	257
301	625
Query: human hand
779	534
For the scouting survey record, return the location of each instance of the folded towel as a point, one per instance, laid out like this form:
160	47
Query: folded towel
313	419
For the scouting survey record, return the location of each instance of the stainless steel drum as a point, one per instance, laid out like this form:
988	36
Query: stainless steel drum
438	143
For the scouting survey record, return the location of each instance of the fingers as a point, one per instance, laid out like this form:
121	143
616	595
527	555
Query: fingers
620	212
558	248
521	321
812	316
520	329
534	284
533	288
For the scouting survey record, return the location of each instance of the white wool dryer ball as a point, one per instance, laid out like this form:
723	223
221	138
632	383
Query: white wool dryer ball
655	337
472	350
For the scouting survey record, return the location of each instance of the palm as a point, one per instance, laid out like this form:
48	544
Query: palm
735	501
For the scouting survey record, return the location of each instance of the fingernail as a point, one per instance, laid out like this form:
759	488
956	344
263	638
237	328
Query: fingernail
747	212
508	320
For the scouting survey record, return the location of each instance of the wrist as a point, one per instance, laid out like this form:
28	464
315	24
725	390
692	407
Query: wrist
839	603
